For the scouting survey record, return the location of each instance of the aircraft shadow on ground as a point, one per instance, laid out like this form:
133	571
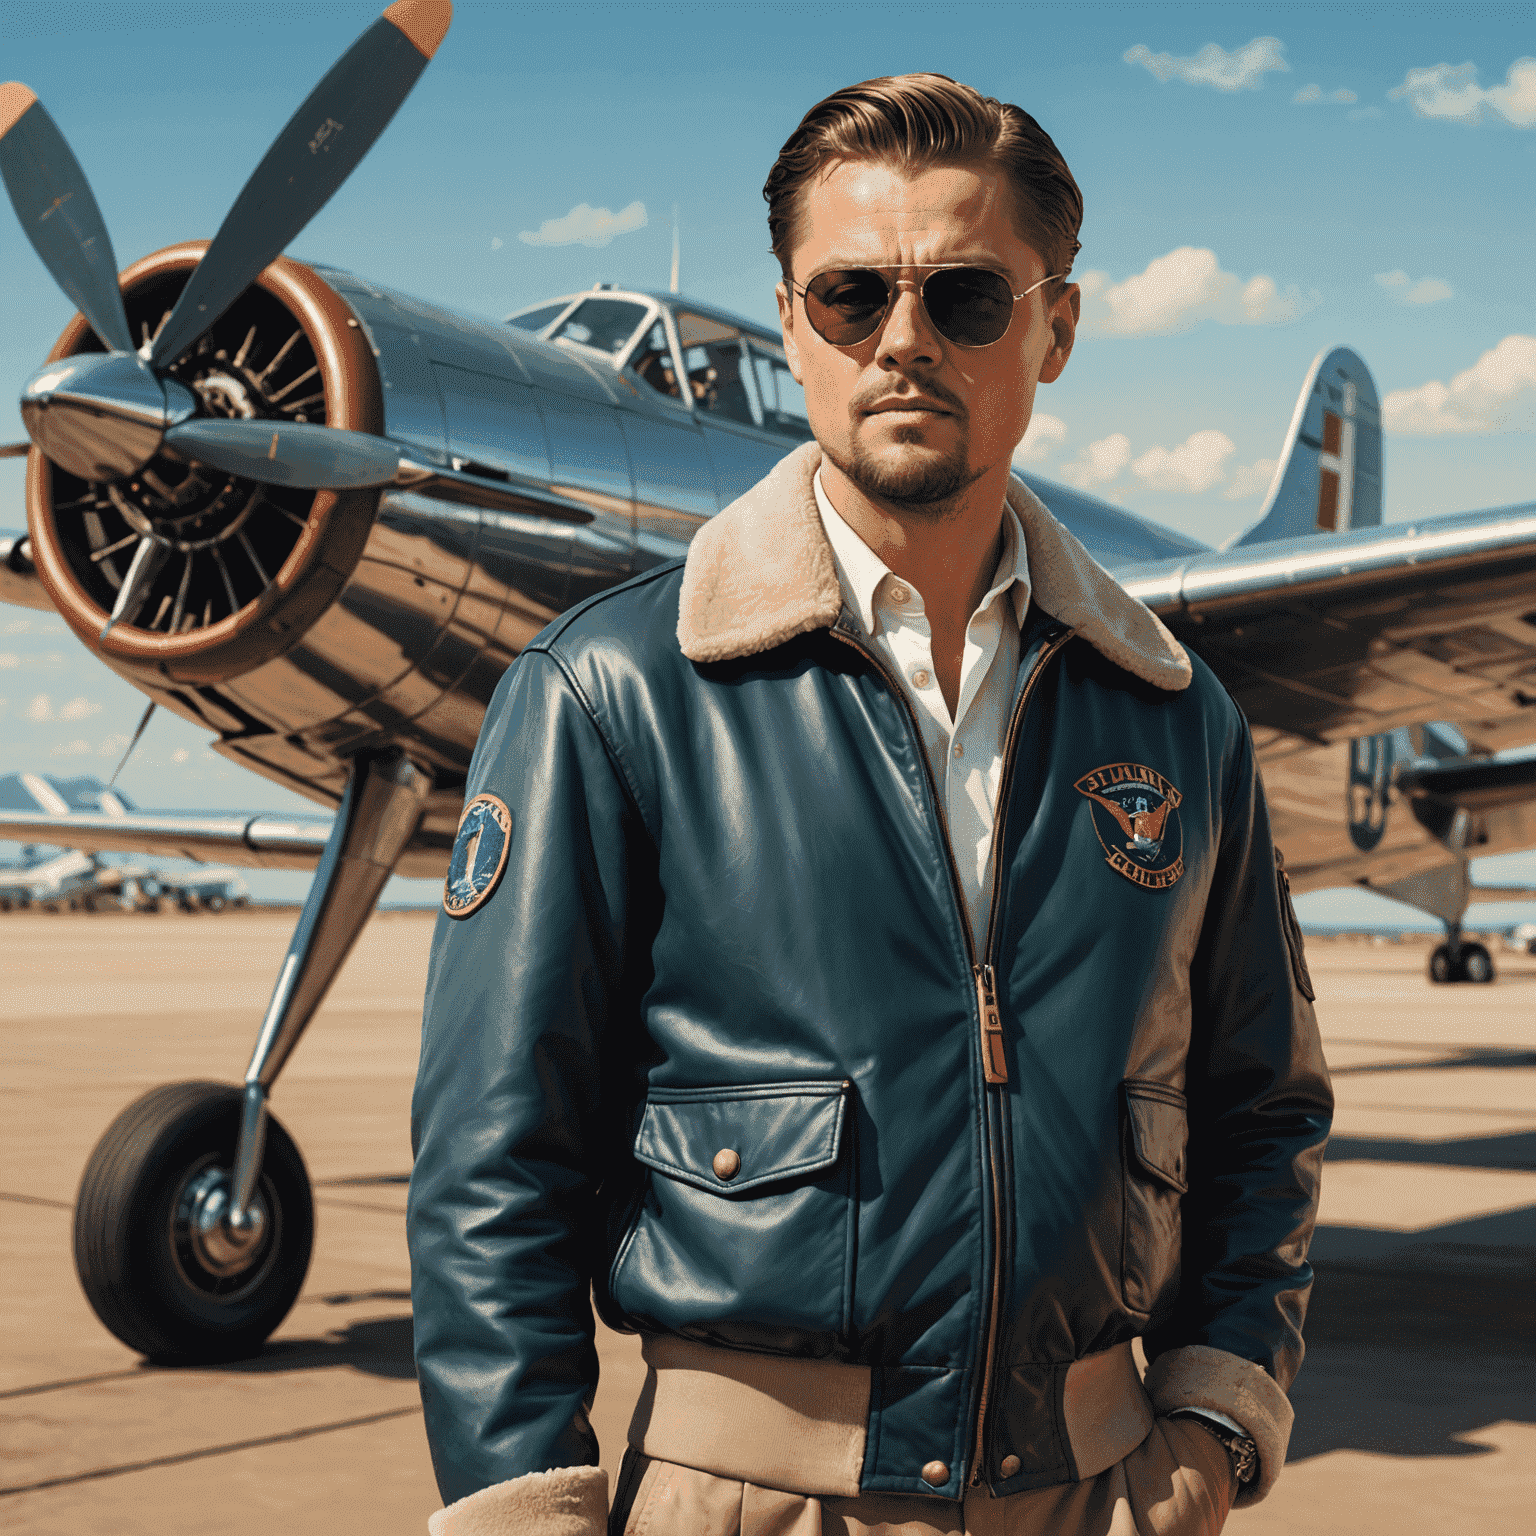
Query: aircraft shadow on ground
1484	1057
372	1346
1403	1362
1514	1150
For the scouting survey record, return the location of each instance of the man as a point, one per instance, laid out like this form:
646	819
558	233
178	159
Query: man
866	964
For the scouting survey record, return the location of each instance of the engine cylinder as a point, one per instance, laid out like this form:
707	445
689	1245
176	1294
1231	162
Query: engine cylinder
251	566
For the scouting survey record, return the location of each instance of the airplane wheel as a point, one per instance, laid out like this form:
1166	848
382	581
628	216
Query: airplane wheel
1441	968
214	903
1476	964
154	1259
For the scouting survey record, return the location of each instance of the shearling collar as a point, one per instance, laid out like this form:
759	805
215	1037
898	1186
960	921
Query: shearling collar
762	572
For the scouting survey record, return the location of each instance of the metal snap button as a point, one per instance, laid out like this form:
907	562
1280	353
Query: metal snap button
727	1163
899	594
921	678
936	1474
1010	1466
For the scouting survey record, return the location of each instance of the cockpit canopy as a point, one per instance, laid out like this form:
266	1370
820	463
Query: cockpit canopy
701	359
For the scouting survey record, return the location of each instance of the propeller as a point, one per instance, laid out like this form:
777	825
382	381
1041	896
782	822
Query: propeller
288	452
106	417
58	212
311	157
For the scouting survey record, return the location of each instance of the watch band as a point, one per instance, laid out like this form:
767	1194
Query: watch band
1240	1446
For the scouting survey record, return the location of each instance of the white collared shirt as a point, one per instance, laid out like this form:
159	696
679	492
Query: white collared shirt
966	752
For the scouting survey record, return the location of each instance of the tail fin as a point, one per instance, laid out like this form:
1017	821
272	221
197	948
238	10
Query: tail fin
1329	478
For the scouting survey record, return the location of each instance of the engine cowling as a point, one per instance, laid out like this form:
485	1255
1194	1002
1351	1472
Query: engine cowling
253	565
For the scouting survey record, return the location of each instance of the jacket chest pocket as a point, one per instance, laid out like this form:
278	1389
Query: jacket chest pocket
1154	1153
744	1233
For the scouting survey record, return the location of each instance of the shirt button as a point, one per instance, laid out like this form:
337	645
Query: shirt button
1010	1466
936	1474
900	594
921	678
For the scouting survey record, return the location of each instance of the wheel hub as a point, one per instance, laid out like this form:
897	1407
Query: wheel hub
220	1247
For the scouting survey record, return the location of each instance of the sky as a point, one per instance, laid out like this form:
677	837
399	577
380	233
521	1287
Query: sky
1261	183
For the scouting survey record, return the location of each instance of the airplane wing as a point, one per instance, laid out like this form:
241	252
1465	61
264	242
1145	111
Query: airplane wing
269	841
1352	635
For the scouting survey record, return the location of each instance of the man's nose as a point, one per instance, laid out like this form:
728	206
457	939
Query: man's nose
908	338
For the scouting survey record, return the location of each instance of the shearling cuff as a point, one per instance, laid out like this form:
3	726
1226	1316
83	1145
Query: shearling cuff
569	1501
1198	1376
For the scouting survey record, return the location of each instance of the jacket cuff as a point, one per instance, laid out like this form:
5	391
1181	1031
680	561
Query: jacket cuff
1198	1376
569	1501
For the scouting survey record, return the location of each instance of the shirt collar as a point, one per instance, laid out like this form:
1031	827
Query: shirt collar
861	570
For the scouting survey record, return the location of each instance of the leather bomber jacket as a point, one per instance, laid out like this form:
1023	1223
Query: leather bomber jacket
729	920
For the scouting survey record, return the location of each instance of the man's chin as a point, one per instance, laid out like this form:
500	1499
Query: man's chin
908	474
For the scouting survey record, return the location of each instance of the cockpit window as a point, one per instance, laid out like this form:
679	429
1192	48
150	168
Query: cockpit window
537	319
713	358
652	360
783	400
606	324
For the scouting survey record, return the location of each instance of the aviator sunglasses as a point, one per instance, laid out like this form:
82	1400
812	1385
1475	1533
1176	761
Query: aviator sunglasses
970	306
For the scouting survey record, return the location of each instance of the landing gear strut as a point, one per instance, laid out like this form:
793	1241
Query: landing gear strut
194	1221
1458	960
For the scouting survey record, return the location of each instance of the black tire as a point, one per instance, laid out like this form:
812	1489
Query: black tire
214	903
1476	964
1441	968
134	1248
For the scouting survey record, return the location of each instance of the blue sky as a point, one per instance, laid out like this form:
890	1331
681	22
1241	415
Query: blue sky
1261	183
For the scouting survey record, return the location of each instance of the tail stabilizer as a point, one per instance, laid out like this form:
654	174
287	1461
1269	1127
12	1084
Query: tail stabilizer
1330	474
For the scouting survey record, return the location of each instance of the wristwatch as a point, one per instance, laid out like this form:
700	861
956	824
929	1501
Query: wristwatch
1239	1443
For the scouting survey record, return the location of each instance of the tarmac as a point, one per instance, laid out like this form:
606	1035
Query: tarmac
1416	1408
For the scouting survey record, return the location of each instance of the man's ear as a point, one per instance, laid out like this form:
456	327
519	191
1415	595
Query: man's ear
787	327
1064	315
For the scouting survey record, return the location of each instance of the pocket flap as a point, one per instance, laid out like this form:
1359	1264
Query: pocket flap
729	1140
1159	1125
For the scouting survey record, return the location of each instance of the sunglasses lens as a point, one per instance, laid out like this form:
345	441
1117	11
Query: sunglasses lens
846	307
968	305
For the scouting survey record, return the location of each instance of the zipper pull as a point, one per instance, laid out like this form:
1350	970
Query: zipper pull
994	1062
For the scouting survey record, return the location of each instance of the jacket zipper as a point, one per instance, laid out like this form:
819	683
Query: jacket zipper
993	1057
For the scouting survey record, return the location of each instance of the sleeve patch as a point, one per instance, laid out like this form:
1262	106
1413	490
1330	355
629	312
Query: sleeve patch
479	856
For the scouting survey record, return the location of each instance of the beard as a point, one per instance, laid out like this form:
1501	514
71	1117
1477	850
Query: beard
926	484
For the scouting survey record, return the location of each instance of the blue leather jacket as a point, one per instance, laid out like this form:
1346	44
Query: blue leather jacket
730	920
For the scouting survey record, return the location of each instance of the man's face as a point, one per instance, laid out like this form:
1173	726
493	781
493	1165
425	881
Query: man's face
907	415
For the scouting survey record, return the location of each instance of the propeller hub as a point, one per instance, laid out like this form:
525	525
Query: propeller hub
102	416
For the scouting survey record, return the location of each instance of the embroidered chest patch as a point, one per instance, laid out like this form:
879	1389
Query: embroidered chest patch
479	855
1136	815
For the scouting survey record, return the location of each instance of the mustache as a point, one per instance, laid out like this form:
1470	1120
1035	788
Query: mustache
929	390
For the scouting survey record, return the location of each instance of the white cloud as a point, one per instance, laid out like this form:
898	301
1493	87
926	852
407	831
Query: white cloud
9	659
1428	290
32	627
112	746
1496	394
1308	95
1451	92
1197	464
1241	70
1177	291
586	225
1099	462
180	755
41	709
495	242
1046	433
76	748
1361	113
1251	479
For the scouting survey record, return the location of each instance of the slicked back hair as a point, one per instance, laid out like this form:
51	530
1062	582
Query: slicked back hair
917	121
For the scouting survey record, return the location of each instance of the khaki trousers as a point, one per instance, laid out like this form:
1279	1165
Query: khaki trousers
1177	1482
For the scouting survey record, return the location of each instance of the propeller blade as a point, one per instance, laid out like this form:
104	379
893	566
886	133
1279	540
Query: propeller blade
53	200
321	146
14	450
145	566
296	453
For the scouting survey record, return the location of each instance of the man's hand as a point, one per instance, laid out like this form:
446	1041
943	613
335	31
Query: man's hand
1179	1481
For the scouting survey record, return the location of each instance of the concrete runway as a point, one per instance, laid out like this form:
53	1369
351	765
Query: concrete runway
1416	1409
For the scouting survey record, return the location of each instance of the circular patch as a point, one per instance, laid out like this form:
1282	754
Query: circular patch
1136	815
479	855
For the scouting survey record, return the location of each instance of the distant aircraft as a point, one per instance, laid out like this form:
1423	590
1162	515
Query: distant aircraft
319	519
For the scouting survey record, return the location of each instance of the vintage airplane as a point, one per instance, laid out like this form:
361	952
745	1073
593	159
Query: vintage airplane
320	518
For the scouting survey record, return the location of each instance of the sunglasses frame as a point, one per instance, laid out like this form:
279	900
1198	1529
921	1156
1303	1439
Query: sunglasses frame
933	268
